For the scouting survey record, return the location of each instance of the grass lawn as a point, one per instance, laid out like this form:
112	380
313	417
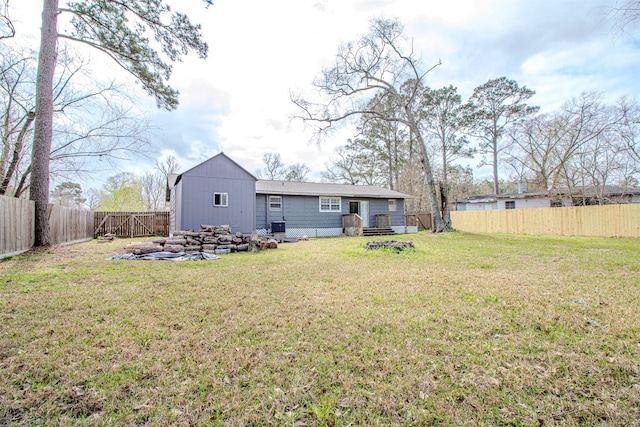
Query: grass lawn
465	329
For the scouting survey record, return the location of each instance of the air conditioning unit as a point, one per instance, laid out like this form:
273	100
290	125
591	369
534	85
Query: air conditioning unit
278	227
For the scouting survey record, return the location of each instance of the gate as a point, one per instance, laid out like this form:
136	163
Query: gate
422	220
131	224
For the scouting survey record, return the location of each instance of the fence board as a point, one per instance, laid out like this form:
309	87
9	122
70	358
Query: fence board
131	224
17	231
606	221
69	224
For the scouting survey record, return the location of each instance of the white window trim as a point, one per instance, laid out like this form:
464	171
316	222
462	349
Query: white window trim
393	205
279	208
224	199
330	200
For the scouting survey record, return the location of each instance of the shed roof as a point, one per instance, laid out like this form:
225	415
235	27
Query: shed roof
322	189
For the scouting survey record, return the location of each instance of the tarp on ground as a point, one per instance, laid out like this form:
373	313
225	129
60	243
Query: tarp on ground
167	256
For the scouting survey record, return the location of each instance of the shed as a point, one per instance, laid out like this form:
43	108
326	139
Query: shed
217	191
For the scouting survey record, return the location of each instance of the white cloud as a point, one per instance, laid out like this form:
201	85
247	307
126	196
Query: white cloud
238	99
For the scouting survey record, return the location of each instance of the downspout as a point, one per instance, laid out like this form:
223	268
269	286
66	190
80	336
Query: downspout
266	211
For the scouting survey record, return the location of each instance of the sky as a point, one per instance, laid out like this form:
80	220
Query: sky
238	99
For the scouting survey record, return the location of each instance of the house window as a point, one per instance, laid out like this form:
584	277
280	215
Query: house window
510	204
330	204
275	203
392	205
556	203
221	199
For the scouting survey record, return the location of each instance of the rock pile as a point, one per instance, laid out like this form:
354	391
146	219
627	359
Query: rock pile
212	239
389	244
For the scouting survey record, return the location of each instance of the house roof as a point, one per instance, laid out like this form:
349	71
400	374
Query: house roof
322	189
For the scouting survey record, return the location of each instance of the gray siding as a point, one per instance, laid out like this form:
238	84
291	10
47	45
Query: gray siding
304	212
527	203
217	175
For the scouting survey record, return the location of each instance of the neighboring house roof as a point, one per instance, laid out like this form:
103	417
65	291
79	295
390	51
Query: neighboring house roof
609	191
322	189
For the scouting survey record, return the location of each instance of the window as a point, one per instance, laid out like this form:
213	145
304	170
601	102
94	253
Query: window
556	203
275	203
221	199
510	204
330	204
392	205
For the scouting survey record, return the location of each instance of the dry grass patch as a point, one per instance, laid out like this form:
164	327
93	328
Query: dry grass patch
464	329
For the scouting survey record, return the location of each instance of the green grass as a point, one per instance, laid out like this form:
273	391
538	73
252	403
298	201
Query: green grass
464	329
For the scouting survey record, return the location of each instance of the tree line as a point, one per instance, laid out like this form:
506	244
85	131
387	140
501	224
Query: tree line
143	37
412	138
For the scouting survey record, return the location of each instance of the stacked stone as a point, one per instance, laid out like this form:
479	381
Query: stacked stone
213	239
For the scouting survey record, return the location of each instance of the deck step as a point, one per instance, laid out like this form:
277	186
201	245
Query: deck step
379	231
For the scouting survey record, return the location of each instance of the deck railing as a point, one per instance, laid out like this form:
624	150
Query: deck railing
352	224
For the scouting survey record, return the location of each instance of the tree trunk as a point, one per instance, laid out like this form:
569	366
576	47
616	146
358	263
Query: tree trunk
444	204
496	187
39	189
439	225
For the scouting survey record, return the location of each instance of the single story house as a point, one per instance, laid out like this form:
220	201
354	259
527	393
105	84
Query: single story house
549	198
220	191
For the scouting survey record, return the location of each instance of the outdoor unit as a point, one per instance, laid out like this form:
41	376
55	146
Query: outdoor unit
278	227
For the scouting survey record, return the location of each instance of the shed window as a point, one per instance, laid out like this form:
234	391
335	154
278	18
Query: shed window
275	203
221	199
392	205
330	204
510	204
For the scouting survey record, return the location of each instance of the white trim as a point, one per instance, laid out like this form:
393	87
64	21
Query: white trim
224	199
275	209
309	232
331	202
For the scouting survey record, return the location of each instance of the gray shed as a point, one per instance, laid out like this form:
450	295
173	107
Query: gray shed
216	192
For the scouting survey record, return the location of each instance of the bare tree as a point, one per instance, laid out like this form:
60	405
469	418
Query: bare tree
443	119
625	15
496	105
297	172
274	168
7	30
376	64
628	129
168	166
93	120
153	190
342	169
361	161
118	29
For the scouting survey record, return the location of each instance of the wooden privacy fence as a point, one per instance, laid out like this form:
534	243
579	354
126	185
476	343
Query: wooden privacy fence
69	225
17	220
604	221
16	225
131	224
422	220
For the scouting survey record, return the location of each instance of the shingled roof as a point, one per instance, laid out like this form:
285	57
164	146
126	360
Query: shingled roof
322	189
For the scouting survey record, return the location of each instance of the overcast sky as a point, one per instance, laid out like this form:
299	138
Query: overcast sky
237	101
